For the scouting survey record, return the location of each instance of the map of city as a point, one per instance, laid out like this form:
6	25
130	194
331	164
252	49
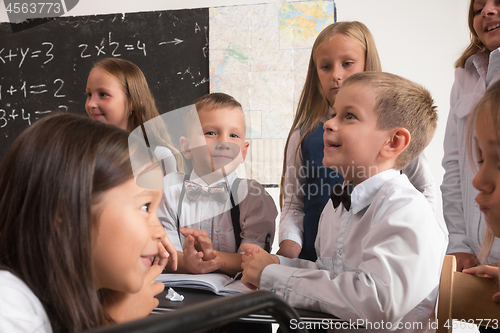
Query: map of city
259	54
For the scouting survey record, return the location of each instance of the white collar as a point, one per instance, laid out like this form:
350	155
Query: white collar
363	193
482	62
229	179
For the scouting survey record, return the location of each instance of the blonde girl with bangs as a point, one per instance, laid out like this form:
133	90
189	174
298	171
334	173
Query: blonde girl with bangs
340	50
118	94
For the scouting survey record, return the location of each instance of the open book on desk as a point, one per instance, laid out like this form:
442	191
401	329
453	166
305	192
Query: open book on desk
217	283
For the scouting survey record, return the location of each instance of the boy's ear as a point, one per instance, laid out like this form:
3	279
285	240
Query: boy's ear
186	151
397	143
245	150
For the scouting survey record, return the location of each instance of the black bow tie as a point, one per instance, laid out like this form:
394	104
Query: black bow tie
342	195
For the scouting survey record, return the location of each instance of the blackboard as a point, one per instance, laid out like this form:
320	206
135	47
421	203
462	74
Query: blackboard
44	65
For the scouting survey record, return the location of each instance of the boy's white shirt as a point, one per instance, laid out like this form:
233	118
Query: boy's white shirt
461	212
258	214
20	309
379	261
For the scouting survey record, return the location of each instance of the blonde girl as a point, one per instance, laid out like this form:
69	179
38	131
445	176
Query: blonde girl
79	239
484	131
340	50
118	94
476	70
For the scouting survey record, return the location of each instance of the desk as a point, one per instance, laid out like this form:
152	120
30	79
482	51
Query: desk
194	296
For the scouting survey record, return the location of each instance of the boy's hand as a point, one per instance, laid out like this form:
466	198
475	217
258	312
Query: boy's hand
465	260
289	249
123	306
255	260
193	259
488	271
202	242
166	250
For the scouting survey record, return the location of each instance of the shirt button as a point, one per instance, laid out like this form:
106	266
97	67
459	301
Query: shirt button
273	291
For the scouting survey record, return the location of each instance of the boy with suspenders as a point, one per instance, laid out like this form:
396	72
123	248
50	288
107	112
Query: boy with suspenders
209	213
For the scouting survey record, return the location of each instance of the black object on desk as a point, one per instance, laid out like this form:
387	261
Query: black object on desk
212	314
194	297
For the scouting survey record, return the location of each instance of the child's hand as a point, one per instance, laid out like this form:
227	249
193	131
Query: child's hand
255	260
289	249
123	306
202	242
465	260
166	250
192	259
488	271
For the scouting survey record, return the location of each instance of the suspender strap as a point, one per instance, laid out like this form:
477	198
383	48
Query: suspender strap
179	206
267	247
235	212
235	218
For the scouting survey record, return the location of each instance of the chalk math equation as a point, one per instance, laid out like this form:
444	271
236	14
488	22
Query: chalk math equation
43	53
44	66
23	91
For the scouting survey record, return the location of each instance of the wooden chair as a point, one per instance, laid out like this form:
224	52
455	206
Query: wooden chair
465	297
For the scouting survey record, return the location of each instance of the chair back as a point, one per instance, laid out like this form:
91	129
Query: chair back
213	314
466	297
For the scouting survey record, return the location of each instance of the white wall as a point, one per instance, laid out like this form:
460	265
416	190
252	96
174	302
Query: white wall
418	39
91	7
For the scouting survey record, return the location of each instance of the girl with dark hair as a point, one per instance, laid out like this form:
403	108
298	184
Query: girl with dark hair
79	239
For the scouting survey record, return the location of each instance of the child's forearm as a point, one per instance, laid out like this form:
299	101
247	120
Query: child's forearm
232	261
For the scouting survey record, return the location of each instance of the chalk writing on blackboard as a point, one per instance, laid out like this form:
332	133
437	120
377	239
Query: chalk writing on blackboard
18	56
45	68
110	49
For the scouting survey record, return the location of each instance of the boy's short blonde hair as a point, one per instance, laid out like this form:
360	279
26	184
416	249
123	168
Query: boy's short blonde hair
212	101
400	102
209	102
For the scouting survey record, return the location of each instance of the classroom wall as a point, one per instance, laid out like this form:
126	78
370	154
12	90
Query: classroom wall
418	39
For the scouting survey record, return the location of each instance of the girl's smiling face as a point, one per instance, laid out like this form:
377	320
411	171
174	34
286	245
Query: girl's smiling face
487	22
106	100
125	235
487	180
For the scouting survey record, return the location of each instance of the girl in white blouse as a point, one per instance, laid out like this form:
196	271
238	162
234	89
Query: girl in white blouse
476	70
118	94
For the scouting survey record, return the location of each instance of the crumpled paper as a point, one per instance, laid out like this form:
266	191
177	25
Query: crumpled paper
173	296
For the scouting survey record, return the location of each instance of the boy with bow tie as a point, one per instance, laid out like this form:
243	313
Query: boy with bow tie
209	213
380	246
